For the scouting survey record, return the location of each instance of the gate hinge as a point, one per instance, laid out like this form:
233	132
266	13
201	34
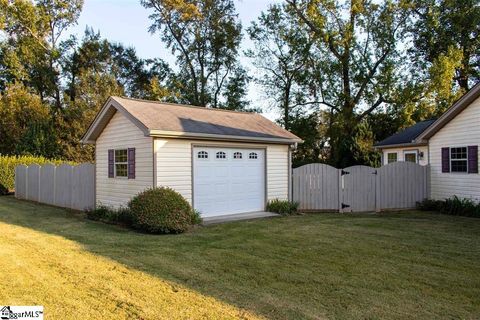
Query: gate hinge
345	172
345	205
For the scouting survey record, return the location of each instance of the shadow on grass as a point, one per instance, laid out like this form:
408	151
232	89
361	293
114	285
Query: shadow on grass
313	266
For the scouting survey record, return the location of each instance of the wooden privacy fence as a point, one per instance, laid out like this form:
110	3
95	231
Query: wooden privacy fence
63	186
397	185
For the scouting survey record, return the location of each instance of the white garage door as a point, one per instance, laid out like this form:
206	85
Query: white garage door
228	180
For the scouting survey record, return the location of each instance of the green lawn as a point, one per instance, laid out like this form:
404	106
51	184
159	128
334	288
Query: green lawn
396	265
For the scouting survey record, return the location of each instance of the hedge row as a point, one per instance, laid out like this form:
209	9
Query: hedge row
8	164
453	206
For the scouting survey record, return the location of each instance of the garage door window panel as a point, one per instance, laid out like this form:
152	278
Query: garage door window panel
202	155
221	155
237	155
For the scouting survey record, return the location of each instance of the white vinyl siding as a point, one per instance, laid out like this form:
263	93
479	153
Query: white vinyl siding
463	130
174	165
277	172
121	133
401	154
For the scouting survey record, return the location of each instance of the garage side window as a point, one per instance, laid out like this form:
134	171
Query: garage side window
221	155
121	163
237	155
253	155
202	155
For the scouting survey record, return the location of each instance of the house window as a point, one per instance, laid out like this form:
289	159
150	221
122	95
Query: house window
391	157
221	155
202	155
237	155
458	159
410	156
121	163
253	155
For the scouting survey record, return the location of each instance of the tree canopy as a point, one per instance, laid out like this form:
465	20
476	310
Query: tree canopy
339	74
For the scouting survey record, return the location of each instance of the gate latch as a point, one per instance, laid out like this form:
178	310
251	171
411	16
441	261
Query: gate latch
345	172
345	205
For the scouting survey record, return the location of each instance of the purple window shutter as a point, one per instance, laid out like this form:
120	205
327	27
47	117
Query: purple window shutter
472	159
445	159
111	163
131	163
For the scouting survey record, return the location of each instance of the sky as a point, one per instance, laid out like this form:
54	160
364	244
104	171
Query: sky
127	21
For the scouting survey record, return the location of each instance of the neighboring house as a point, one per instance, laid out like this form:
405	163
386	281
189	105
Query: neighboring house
402	145
222	162
449	145
453	142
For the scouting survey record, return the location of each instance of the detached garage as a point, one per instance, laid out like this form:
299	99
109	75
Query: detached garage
222	162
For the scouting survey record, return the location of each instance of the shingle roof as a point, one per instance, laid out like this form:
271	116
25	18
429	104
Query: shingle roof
407	135
156	118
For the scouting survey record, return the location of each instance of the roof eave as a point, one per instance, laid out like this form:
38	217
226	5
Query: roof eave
451	113
220	137
401	145
97	126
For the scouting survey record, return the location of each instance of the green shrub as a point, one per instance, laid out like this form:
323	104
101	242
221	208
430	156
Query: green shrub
453	206
430	205
8	164
197	219
461	207
100	213
283	207
106	214
162	210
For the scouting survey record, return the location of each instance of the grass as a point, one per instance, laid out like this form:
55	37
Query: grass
397	265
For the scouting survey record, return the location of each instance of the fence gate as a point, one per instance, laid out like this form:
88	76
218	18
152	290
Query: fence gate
398	185
358	190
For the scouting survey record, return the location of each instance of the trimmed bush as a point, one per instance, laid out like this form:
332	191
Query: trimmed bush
8	164
453	206
162	210
283	207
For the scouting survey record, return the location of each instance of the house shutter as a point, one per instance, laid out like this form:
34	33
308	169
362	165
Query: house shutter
445	159
472	159
131	163
111	163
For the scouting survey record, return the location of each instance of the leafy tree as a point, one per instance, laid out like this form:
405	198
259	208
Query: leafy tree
97	69
311	127
205	36
445	56
448	30
33	49
24	123
281	54
358	41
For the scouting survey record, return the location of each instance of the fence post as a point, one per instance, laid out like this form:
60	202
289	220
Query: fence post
340	190
378	191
